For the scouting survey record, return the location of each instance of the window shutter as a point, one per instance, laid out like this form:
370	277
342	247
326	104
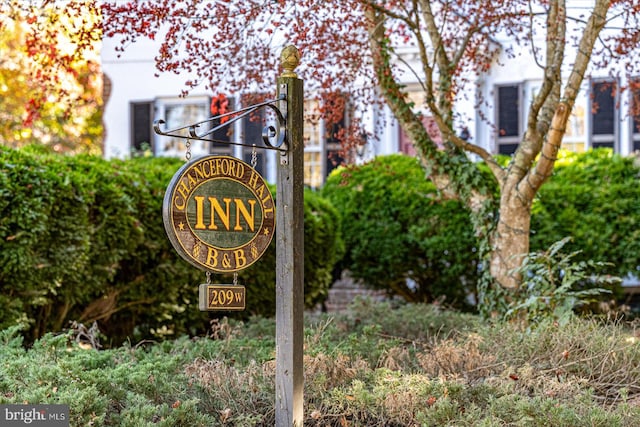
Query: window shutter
603	115
141	116
509	111
223	136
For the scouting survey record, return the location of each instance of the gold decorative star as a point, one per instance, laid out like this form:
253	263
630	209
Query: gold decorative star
266	231
181	226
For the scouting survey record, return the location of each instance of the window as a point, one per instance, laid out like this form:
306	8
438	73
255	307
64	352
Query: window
177	112
322	148
603	113
508	100
312	145
333	157
405	145
575	134
141	117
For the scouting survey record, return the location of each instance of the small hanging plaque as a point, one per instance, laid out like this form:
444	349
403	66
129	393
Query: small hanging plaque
219	214
221	297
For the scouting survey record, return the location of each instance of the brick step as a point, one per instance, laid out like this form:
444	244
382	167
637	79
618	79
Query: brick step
345	290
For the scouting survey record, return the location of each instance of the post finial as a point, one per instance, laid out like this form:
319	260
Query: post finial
290	58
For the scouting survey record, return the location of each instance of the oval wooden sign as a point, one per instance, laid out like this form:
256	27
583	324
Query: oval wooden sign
219	214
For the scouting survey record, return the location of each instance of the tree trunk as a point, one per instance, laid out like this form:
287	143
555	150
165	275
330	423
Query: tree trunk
510	241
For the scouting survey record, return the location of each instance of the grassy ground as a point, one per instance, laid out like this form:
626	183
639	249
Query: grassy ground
377	365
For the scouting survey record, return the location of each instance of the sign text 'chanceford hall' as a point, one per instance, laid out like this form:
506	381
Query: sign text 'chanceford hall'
222	213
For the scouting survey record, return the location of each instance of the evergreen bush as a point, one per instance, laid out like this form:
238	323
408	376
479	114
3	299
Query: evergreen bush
400	235
82	238
594	198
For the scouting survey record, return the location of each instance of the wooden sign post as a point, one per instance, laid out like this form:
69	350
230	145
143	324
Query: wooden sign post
219	216
290	251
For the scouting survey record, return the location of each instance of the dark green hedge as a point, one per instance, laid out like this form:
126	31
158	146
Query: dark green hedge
323	248
82	238
595	199
399	235
395	227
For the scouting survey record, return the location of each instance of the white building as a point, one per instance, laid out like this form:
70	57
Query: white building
137	97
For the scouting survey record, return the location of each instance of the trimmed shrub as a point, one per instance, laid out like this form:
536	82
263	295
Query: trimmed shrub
323	247
399	235
65	226
594	198
82	238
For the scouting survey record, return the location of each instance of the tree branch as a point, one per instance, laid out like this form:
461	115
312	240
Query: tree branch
595	24
543	169
549	75
436	40
473	29
392	93
544	103
556	39
497	170
391	14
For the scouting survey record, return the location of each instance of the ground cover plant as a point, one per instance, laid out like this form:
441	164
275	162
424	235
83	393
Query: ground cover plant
378	364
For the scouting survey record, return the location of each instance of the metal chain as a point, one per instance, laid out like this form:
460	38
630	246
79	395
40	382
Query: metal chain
235	279
208	277
187	155
254	157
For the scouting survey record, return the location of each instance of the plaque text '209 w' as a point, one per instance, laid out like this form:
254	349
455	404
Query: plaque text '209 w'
219	214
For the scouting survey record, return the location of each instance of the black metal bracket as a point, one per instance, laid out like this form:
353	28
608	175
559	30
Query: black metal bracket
274	137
